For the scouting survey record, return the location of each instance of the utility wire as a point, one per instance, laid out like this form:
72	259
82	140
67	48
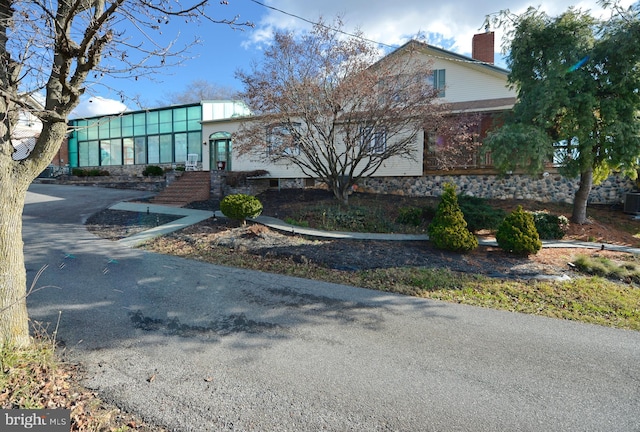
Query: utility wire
473	61
324	25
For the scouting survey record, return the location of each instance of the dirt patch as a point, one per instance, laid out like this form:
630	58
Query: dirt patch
118	224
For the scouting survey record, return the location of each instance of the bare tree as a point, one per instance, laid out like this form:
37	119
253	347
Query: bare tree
325	103
199	90
56	48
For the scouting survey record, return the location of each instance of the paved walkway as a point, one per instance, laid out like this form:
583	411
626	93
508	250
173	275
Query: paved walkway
192	216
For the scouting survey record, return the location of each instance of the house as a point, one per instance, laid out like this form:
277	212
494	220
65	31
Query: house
127	142
467	85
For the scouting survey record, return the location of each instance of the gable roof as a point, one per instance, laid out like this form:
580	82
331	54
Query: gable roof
440	53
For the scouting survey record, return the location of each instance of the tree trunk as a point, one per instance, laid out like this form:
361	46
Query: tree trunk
14	323
579	214
15	178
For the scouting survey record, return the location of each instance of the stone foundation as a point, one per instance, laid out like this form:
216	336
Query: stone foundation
549	188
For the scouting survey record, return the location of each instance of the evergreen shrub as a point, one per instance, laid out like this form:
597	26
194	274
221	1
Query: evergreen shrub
479	214
448	229
152	170
549	226
517	234
409	216
240	207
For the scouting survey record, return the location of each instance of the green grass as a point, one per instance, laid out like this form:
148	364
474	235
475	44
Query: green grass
600	266
22	371
587	299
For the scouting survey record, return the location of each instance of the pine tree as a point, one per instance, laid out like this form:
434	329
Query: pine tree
448	230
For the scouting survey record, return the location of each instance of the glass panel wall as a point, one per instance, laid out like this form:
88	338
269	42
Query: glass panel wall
163	135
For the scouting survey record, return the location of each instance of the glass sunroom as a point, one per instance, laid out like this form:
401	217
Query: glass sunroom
154	136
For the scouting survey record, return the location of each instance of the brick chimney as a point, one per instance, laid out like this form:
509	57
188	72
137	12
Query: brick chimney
482	47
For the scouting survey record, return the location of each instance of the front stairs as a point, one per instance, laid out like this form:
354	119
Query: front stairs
189	187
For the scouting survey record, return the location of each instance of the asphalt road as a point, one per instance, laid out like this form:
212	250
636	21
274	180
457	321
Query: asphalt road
199	347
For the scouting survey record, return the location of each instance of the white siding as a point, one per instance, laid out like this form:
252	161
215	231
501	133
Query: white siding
465	83
396	166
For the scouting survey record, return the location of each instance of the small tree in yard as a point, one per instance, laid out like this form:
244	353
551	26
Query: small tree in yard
240	207
55	49
324	104
517	234
448	229
578	100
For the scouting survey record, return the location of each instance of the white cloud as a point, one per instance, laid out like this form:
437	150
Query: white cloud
98	106
394	23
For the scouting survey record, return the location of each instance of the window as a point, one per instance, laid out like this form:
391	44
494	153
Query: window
166	149
81	127
181	146
111	152
194	143
194	115
374	140
128	151
153	146
283	141
127	126
140	144
147	137
152	122
139	124
438	81
93	152
179	120
563	152
166	121
115	128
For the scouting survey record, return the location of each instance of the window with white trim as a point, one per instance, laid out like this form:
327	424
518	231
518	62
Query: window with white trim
374	140
438	81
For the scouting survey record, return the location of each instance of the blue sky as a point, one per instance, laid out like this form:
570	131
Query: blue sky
449	25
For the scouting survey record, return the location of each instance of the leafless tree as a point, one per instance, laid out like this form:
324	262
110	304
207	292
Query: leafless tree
199	90
327	104
55	49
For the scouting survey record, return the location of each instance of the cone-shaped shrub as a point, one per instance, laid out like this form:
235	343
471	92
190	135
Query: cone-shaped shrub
240	207
448	229
517	234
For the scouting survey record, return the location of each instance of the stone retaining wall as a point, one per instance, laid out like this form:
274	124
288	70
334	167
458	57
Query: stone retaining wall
151	184
548	188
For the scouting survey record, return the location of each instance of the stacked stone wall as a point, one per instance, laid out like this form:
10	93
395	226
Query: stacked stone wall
548	188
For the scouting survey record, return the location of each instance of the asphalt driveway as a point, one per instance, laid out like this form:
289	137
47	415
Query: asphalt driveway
199	347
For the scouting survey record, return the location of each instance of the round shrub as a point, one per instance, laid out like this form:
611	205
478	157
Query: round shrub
517	234
152	170
448	229
549	226
240	207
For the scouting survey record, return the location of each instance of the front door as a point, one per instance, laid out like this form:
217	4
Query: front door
222	154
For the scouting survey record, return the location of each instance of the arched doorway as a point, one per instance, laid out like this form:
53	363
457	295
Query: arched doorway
220	144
